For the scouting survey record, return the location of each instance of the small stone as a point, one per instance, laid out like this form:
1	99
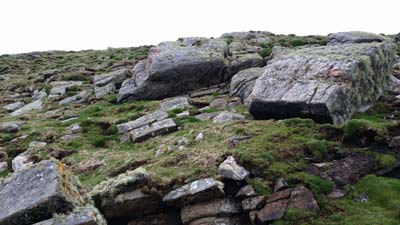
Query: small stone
182	115
280	184
205	108
3	166
303	199
245	192
231	170
285	194
181	148
155	129
199	137
36	145
252	203
39	95
206	116
183	141
74	128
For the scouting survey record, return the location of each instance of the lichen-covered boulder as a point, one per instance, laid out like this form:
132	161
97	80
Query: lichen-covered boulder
35	194
325	83
354	37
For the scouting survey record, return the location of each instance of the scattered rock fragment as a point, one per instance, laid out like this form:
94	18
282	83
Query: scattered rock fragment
10	127
13	106
245	192
253	203
36	105
175	103
231	170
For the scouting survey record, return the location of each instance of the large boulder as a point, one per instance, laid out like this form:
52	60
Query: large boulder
35	194
326	83
354	37
174	68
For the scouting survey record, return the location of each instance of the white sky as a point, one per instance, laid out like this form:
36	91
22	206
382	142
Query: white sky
38	25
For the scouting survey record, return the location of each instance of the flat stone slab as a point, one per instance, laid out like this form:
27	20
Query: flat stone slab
155	129
325	83
354	37
59	87
142	121
225	116
223	207
36	105
199	190
115	78
13	106
35	194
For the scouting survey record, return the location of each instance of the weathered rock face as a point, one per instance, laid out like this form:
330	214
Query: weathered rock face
199	190
326	83
87	215
174	68
243	82
354	37
122	197
351	169
34	195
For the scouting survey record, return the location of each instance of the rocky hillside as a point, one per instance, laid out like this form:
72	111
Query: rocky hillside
248	128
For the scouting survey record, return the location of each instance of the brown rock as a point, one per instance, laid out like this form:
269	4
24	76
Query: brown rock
272	211
303	199
285	194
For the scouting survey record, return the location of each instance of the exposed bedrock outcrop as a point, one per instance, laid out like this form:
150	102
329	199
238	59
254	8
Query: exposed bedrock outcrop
325	83
174	68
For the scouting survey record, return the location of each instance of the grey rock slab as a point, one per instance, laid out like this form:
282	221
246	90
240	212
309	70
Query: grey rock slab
229	169
222	207
199	190
142	121
75	99
115	77
35	194
354	37
245	192
39	95
155	129
219	103
225	116
325	83
175	103
36	105
59	87
104	90
206	116
243	82
13	106
10	127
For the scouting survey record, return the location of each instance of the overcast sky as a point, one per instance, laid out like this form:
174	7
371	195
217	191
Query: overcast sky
39	25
